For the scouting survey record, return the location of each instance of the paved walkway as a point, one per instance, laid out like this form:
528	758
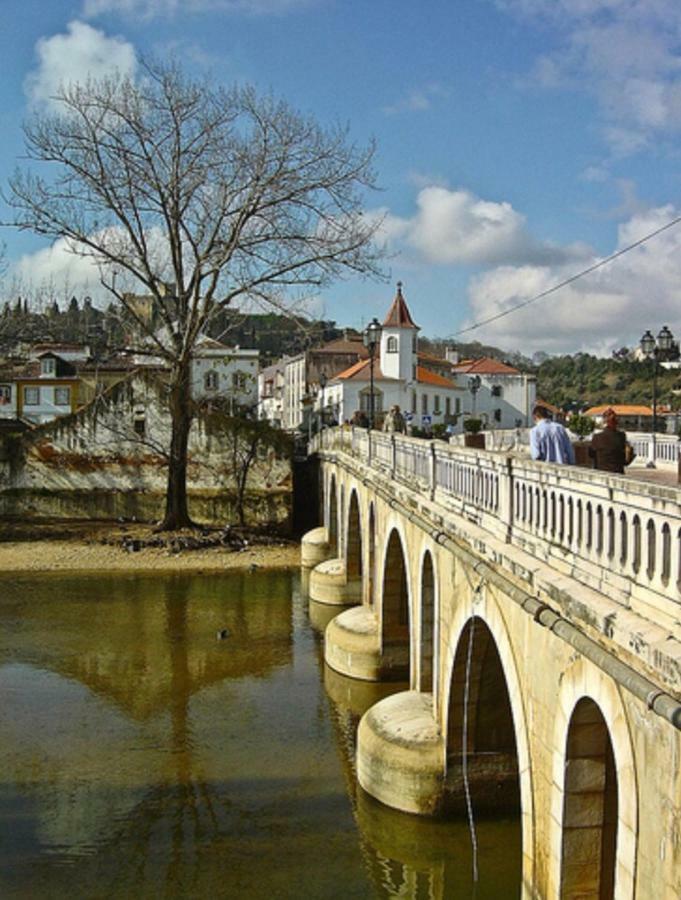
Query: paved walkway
666	476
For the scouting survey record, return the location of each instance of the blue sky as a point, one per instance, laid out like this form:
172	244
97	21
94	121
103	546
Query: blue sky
518	141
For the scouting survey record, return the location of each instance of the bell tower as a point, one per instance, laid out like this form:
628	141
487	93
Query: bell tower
399	340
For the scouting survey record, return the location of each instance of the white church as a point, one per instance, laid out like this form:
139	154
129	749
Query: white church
417	383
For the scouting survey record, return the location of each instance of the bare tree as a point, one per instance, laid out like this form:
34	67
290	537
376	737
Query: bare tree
199	195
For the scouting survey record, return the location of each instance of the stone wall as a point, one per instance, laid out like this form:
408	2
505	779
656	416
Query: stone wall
108	461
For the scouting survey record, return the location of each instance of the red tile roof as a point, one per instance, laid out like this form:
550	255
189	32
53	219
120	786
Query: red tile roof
427	376
484	366
361	371
398	315
619	409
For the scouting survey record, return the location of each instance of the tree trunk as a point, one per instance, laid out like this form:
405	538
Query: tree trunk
177	512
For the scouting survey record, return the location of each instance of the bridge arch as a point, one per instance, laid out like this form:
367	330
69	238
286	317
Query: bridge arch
332	507
590	701
395	596
424	647
370	594
353	539
488	616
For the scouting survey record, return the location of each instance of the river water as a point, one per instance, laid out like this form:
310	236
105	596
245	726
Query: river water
142	757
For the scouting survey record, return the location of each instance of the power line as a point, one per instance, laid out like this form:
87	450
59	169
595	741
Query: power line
566	281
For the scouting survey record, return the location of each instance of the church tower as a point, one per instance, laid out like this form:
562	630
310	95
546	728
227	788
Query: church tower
399	341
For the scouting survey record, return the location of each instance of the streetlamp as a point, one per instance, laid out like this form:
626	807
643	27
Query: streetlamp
322	384
372	336
653	349
474	385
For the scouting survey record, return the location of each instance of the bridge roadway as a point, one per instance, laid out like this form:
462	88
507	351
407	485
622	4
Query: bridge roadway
534	610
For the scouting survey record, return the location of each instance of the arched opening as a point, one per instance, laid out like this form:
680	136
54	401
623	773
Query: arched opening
333	517
589	807
372	556
353	540
395	631
650	530
480	707
427	624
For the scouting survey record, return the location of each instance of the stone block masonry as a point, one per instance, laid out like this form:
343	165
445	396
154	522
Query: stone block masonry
108	461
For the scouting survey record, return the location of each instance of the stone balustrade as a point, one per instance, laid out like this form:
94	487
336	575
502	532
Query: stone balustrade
622	536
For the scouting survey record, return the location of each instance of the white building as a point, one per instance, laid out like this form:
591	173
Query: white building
43	389
271	385
504	396
427	397
219	371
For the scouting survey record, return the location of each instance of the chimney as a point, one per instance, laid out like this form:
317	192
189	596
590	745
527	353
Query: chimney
452	355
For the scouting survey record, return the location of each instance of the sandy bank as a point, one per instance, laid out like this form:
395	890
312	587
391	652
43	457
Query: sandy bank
79	550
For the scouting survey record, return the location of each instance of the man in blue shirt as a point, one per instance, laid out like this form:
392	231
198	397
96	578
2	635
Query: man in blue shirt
549	441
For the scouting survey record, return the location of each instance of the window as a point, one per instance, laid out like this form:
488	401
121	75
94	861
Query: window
458	406
5	394
436	403
391	346
62	396
31	396
239	381
140	426
424	404
210	380
48	365
497	415
365	401
415	344
448	406
496	390
413	402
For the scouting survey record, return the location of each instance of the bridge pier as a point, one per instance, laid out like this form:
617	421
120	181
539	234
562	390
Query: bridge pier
329	583
325	577
401	753
315	548
352	647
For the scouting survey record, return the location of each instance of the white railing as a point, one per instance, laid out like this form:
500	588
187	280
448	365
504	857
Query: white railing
621	534
667	447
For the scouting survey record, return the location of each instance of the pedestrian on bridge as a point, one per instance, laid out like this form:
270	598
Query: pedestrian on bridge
394	422
609	447
549	441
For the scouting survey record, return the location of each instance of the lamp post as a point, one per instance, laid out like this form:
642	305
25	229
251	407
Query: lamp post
654	349
322	384
474	385
372	336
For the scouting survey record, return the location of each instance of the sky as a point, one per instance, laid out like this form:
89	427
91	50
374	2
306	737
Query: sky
518	143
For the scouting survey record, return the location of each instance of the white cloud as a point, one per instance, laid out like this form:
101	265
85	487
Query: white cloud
71	57
625	52
59	272
150	9
416	100
453	227
606	309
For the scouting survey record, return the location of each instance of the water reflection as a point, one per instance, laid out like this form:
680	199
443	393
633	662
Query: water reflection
140	757
409	856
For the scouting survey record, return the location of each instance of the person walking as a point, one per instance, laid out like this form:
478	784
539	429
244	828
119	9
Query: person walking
394	421
549	441
609	447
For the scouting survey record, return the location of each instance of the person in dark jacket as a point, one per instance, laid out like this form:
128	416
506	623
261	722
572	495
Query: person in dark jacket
608	447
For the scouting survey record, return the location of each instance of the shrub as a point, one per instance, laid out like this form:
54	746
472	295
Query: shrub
472	426
581	425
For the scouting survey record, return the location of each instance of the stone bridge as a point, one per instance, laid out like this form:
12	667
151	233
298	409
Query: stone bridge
533	611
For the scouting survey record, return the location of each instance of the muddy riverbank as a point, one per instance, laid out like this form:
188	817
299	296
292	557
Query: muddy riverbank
53	546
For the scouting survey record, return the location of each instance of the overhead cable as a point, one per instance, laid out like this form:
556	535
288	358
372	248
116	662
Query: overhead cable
566	281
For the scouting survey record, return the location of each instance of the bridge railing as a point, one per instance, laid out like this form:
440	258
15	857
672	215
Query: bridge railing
623	535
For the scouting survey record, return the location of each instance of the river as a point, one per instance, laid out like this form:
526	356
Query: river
140	756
